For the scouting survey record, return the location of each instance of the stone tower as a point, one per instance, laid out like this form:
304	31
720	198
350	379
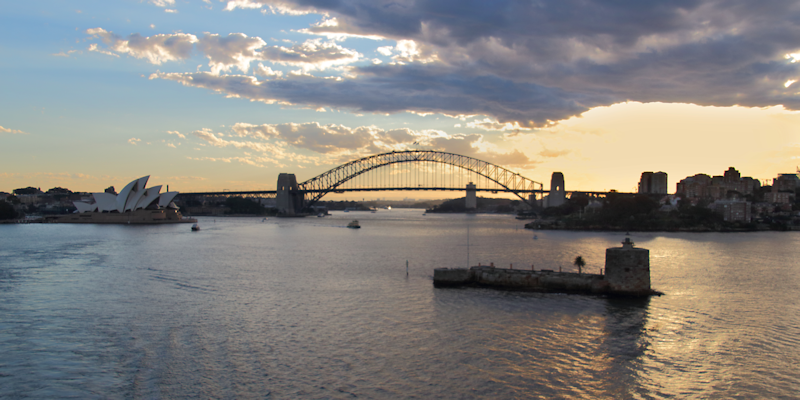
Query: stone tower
288	200
471	199
628	269
558	194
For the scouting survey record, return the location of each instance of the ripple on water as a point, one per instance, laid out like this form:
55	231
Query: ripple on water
303	308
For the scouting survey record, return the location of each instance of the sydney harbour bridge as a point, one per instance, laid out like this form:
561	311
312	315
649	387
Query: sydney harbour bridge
401	171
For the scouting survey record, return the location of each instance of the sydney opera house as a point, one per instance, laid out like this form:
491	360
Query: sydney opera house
135	204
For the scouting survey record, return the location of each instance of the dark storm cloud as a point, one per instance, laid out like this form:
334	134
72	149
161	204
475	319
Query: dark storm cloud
533	61
390	89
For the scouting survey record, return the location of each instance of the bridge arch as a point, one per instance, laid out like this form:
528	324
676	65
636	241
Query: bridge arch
327	182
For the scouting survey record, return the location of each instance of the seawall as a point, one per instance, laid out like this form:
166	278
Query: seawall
627	273
544	281
160	216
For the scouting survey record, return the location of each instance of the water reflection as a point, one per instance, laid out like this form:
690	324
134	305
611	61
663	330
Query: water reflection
307	308
624	344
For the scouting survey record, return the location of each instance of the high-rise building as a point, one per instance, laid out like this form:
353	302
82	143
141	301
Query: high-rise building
653	183
702	186
786	182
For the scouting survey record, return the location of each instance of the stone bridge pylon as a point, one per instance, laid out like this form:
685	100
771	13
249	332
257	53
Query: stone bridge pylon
289	198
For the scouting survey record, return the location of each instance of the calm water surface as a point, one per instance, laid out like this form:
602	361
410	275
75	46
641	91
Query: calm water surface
306	308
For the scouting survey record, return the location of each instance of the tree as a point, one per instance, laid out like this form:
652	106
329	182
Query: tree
7	210
242	205
27	190
580	263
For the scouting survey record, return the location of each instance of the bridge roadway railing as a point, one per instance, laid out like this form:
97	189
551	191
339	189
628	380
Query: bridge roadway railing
272	193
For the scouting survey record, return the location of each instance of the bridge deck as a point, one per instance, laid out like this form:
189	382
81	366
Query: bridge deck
338	190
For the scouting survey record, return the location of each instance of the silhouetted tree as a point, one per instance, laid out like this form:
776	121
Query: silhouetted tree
580	263
241	205
7	210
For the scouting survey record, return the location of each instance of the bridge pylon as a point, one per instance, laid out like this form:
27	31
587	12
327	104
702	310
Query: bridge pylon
289	199
472	198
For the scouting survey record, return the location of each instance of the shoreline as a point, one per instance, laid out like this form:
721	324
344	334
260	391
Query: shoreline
677	230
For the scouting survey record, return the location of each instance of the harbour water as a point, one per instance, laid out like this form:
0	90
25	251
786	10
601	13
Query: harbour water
306	308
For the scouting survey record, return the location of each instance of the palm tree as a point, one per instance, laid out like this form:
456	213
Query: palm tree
579	263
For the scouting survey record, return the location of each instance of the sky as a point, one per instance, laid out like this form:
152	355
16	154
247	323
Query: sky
206	95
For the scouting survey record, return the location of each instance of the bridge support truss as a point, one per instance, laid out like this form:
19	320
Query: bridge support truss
505	180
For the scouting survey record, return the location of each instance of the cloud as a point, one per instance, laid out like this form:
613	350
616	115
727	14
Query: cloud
178	134
156	49
311	136
470	145
67	54
215	140
385	50
12	131
489	124
267	71
338	143
134	141
332	28
393	89
553	153
274	6
237	50
533	62
93	47
248	160
312	54
163	3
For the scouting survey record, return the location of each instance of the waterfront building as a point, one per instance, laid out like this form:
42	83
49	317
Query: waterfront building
733	210
776	197
134	196
135	204
653	183
788	182
702	186
783	190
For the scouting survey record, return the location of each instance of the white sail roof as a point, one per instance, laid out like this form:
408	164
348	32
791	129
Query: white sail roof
149	195
122	197
105	201
135	194
166	198
83	206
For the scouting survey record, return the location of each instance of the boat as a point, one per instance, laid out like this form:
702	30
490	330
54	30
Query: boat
195	227
354	224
